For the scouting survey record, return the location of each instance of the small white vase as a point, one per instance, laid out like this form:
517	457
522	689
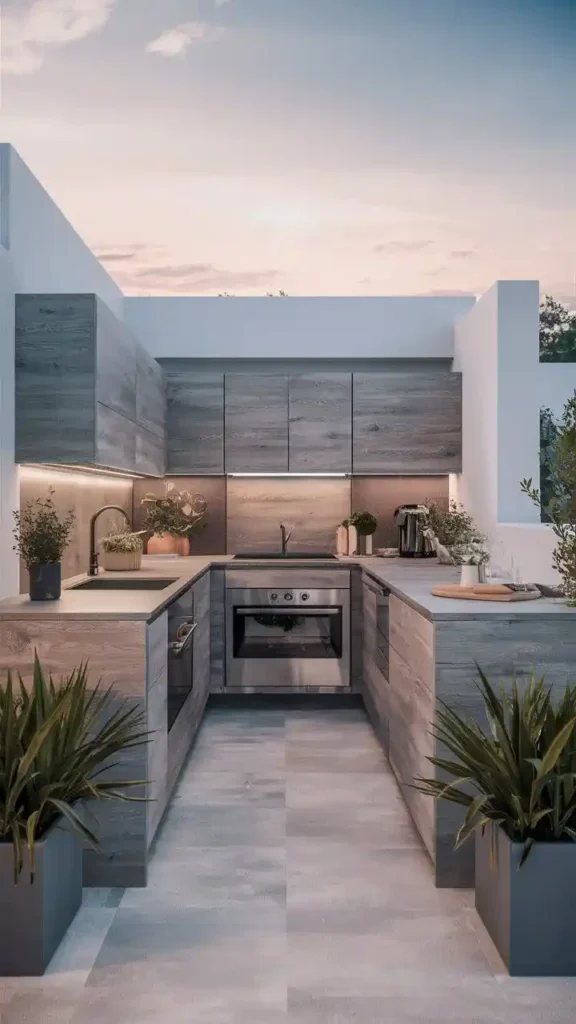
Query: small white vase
342	540
469	575
352	540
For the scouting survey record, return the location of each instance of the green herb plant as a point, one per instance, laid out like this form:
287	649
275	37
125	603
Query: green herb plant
366	524
560	508
41	534
56	739
520	774
122	543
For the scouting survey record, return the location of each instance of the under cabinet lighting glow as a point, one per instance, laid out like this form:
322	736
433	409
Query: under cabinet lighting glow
88	472
261	475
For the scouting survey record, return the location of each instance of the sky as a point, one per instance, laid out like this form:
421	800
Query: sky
319	147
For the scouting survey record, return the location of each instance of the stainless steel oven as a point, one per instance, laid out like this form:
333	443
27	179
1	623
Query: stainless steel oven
287	639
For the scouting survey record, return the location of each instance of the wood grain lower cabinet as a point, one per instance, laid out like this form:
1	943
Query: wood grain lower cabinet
320	423
407	422
256	423
376	685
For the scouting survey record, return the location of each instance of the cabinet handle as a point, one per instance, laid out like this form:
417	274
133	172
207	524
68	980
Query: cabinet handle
184	636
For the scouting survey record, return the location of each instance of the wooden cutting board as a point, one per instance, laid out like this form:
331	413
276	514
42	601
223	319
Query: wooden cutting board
484	592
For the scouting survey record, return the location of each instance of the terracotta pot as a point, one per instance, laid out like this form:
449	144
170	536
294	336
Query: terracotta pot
121	561
165	544
183	546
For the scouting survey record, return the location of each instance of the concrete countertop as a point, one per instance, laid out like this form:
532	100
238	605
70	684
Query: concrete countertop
413	579
410	580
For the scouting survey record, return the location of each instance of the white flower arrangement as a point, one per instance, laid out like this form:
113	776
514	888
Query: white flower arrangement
472	552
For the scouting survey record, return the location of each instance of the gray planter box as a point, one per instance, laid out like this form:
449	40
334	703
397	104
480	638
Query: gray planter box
530	912
36	916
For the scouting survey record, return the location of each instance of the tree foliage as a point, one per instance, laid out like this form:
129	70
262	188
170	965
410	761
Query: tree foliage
557	332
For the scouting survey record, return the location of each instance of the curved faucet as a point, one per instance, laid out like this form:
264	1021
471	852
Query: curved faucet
93	566
285	537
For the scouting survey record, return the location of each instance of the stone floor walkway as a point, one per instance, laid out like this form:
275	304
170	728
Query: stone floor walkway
287	887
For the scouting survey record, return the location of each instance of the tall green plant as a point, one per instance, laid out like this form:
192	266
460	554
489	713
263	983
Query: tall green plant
521	774
560	508
56	741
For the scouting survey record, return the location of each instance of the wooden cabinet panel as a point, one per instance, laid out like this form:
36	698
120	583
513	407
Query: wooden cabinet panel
407	422
256	418
156	648
115	363
194	420
202	636
150	394
150	453
157	754
320	423
376	685
54	389
115	439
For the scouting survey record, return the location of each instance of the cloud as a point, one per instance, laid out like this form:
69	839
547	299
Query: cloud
174	42
399	246
28	35
460	254
197	278
456	292
118	253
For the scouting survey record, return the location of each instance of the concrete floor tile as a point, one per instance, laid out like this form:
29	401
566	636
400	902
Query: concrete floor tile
373	824
257	753
185	826
304	756
314	790
232	788
214	877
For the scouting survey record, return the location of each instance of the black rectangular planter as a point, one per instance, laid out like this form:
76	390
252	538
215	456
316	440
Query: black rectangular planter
530	912
36	916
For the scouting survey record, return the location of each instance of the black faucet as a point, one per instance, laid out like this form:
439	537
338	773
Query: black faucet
93	566
285	537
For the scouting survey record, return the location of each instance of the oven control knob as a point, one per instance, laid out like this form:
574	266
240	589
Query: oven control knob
305	597
288	597
273	597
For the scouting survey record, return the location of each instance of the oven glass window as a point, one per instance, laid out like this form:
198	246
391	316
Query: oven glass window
288	633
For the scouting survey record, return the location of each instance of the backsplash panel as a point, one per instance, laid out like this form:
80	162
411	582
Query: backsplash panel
212	539
382	495
313	508
85	493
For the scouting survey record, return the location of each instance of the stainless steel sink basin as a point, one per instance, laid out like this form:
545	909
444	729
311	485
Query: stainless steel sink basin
109	583
289	556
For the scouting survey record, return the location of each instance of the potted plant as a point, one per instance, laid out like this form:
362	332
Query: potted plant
172	518
516	782
448	527
365	525
471	556
56	740
560	508
41	537
122	552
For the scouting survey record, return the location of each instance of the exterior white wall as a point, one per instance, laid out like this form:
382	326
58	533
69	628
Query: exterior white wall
297	327
47	253
476	357
8	471
504	386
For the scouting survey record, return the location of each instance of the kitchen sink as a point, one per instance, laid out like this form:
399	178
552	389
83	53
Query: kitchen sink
109	583
289	556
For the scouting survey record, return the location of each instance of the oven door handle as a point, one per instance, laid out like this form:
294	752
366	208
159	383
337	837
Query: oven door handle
296	610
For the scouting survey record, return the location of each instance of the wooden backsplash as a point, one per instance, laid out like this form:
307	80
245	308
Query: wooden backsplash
84	493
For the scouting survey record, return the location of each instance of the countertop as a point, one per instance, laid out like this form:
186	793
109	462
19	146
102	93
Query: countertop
410	580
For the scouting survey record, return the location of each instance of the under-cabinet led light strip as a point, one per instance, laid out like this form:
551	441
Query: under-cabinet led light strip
261	475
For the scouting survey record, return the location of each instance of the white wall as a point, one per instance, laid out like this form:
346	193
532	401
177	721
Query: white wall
8	471
47	253
476	357
297	327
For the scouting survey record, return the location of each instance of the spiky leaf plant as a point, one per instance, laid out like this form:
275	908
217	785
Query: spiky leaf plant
521	774
57	744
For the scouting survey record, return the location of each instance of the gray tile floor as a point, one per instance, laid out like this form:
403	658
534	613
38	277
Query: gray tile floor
287	885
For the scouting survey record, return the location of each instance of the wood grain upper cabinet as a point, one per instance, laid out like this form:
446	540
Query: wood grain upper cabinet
256	423
407	422
320	423
86	393
194	418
